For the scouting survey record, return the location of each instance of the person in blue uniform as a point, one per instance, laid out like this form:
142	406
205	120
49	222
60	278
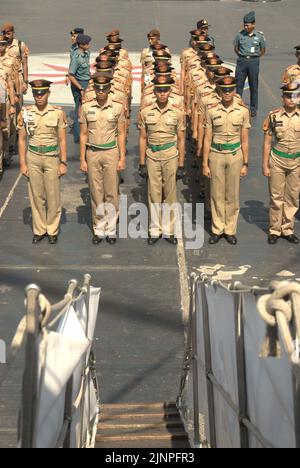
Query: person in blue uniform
250	46
79	75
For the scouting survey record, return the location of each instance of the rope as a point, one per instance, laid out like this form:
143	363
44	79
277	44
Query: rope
282	309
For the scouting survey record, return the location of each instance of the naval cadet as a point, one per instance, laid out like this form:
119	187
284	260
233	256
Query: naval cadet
103	156
281	164
226	159
162	157
250	46
44	162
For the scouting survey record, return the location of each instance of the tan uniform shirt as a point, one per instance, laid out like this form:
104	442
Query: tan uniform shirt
42	126
227	124
18	51
187	55
292	74
147	55
8	67
209	96
285	128
103	121
175	98
162	126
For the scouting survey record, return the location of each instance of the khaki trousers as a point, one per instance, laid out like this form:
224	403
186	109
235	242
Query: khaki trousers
284	195
225	191
44	193
162	190
104	188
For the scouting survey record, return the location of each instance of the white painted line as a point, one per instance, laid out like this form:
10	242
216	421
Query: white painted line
10	195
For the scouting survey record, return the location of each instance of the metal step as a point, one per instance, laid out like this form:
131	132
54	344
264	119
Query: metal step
142	437
140	425
155	416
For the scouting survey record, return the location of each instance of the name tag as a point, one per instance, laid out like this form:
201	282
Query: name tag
252	50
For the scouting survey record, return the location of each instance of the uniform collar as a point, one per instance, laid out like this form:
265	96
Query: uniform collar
283	112
253	34
106	105
228	109
168	107
45	111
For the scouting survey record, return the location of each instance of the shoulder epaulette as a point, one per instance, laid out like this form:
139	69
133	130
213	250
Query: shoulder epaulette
27	107
86	101
211	106
177	106
117	101
208	93
242	104
291	66
275	111
148	105
58	107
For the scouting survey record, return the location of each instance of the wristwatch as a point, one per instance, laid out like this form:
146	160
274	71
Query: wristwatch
246	164
64	163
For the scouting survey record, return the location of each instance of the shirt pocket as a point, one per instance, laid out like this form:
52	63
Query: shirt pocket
297	130
150	122
280	131
112	120
171	124
237	123
218	124
52	125
91	121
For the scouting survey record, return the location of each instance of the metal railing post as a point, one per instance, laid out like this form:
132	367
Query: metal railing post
86	288
194	336
296	388
209	370
241	369
30	385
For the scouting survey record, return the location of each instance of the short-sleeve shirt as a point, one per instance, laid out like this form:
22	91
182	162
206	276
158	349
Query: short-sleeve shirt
44	125
285	128
73	49
18	50
227	124
102	122
80	65
162	126
250	45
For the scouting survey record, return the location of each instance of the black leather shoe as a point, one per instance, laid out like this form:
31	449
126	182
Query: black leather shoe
172	240
214	239
273	239
153	240
111	240
232	240
97	240
52	240
292	238
37	239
